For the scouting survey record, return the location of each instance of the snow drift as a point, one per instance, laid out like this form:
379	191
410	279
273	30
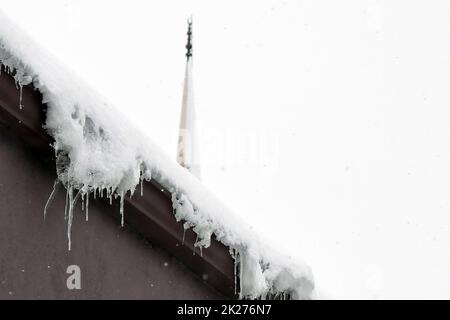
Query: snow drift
98	152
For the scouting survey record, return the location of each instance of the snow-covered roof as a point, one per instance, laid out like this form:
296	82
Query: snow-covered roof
98	149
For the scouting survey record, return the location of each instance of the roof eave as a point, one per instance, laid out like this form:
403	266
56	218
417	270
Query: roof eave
150	215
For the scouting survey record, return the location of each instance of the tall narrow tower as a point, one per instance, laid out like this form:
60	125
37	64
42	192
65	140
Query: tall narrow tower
187	153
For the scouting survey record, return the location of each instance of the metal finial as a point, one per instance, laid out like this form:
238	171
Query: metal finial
189	40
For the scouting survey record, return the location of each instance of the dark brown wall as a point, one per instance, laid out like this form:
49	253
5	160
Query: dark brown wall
114	261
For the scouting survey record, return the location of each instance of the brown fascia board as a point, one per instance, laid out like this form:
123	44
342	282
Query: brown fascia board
150	215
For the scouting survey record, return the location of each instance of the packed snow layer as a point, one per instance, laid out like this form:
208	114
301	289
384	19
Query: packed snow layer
100	154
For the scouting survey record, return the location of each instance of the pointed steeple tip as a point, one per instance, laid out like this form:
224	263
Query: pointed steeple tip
189	39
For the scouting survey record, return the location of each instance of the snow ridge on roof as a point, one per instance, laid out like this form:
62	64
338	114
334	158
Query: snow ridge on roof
98	150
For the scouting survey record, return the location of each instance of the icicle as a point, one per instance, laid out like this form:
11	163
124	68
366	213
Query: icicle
193	251
184	235
235	271
95	192
122	198
87	205
50	198
82	202
70	217
241	270
20	96
201	251
67	202
142	186
69	222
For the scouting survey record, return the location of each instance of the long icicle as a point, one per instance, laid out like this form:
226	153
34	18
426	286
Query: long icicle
122	198
51	197
69	219
241	271
73	201
20	96
67	202
87	205
235	270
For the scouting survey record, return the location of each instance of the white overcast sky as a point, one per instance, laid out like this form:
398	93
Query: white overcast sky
325	124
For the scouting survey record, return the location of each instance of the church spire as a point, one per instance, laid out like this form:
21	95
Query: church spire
187	151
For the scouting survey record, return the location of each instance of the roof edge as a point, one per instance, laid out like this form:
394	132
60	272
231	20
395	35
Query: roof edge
149	215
